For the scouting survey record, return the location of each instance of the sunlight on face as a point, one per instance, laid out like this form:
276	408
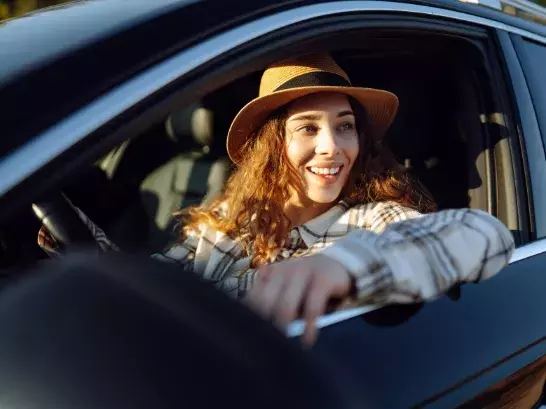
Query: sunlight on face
322	144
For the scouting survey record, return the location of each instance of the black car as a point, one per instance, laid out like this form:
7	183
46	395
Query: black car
124	106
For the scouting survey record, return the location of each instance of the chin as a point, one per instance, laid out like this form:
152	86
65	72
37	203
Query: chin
324	198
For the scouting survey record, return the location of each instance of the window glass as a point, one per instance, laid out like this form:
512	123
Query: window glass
522	9
533	60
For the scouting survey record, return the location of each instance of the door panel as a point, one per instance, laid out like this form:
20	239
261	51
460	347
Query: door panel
448	351
521	390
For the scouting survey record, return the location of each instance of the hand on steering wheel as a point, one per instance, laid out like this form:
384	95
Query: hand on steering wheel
65	227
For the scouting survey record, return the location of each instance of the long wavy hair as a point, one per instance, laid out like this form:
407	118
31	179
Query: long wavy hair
251	209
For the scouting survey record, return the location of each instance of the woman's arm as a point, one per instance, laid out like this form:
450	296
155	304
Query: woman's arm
50	245
408	257
422	256
182	253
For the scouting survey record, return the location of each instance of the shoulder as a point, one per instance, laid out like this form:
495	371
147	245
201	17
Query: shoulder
204	236
202	225
376	216
198	240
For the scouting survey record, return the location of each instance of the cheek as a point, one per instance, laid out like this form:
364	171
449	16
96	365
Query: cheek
296	152
351	150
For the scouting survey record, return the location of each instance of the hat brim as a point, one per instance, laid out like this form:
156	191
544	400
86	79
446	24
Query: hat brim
381	107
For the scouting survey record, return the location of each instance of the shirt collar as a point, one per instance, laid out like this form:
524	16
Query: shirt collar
316	228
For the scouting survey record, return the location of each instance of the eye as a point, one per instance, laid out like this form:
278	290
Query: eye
347	127
308	129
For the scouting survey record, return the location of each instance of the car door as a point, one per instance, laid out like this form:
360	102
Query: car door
474	351
442	354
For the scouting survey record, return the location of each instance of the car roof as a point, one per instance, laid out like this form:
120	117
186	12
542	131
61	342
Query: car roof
53	31
50	33
58	59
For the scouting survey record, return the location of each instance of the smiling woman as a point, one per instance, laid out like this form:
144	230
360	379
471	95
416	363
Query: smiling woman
318	209
314	129
326	152
322	144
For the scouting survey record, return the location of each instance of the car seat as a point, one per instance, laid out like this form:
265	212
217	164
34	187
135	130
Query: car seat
426	134
179	162
195	175
425	139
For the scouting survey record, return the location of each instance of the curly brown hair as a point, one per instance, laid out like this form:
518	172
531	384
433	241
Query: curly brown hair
252	206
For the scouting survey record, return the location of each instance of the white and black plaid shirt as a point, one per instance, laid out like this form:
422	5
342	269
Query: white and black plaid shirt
394	253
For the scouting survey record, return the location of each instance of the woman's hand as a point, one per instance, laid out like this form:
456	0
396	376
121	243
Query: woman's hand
305	285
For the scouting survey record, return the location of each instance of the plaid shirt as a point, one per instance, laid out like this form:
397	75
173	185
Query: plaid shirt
394	253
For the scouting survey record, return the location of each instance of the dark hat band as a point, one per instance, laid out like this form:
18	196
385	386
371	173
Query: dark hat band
315	79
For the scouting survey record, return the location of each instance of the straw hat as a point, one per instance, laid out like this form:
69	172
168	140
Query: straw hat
294	78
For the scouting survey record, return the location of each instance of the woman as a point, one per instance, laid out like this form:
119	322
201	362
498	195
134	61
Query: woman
318	210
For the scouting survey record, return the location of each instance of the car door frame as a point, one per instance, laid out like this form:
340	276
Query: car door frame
96	126
529	256
128	99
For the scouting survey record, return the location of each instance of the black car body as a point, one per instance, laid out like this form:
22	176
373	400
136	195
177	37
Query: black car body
80	79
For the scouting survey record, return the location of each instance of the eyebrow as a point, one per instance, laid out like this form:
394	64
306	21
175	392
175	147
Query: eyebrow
345	113
318	117
306	118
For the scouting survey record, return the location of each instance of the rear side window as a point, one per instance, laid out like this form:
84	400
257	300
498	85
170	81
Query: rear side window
533	60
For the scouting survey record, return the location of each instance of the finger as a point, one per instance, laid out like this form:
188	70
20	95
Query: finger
253	295
266	296
315	306
292	297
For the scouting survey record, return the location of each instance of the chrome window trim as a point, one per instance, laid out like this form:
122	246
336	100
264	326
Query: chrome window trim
54	141
45	147
529	250
296	328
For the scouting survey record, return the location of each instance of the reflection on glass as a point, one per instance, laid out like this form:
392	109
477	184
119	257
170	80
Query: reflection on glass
526	9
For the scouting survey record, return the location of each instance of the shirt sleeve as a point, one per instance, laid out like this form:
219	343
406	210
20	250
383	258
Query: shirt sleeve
411	257
102	240
182	254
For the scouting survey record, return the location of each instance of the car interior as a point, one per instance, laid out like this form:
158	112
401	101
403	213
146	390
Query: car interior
439	135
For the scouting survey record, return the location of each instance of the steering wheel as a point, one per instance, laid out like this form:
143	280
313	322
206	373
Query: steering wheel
88	322
59	216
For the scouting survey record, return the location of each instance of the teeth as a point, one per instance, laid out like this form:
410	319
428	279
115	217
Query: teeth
324	171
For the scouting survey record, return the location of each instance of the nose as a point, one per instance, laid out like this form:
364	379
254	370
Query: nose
327	142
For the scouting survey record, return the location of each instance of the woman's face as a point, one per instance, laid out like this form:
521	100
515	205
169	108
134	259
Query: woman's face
322	143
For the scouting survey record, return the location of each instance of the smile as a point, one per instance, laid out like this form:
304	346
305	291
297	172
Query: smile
325	175
325	171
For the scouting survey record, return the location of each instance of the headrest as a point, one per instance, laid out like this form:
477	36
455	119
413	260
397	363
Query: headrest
193	123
